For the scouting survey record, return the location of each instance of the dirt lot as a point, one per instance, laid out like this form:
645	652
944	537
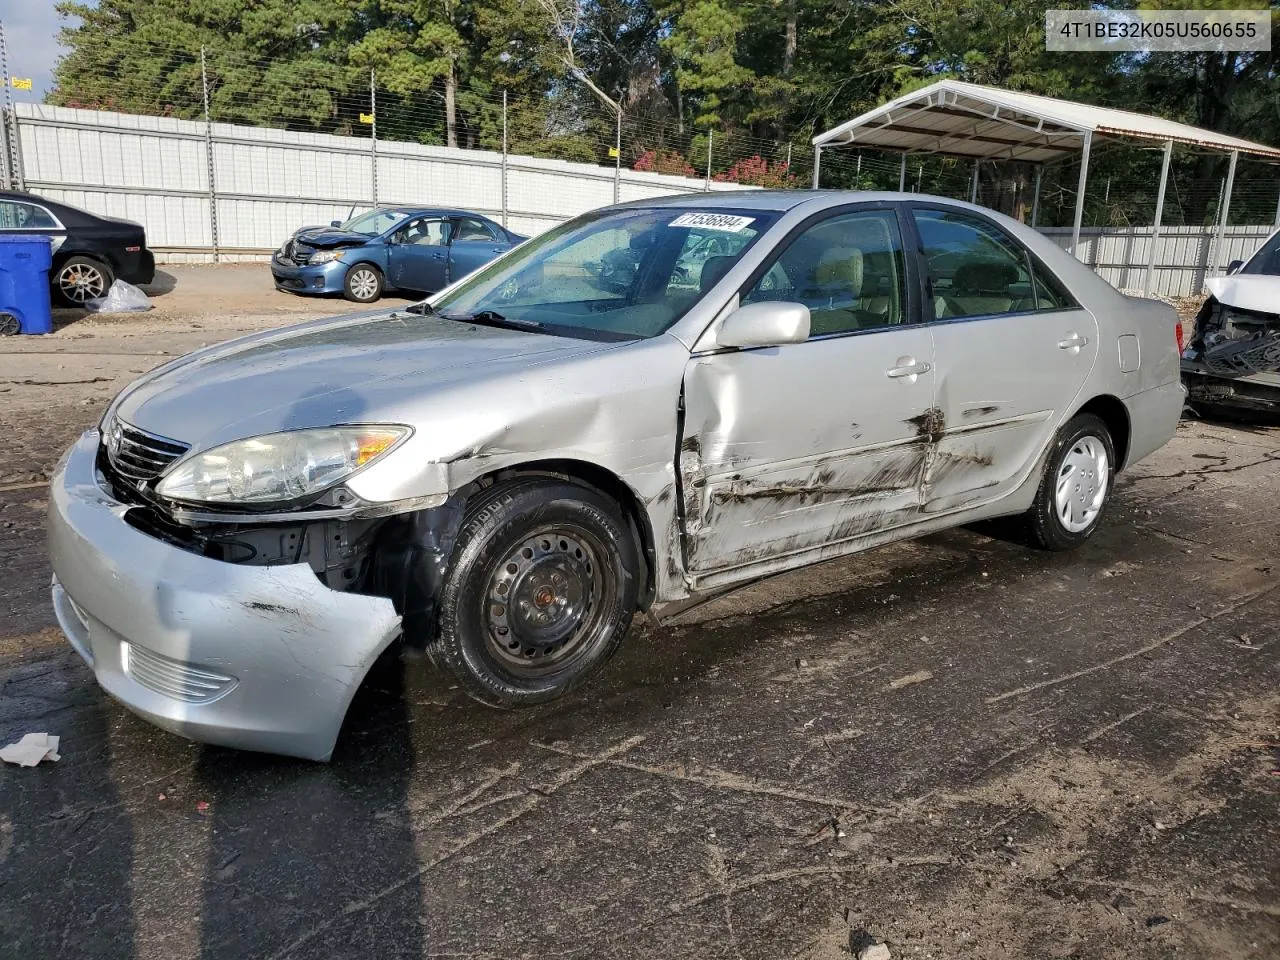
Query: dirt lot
958	745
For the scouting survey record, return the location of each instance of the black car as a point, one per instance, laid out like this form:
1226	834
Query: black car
89	251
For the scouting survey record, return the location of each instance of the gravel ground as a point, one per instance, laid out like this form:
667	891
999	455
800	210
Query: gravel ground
957	745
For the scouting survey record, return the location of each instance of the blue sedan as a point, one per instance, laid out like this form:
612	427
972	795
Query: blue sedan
412	249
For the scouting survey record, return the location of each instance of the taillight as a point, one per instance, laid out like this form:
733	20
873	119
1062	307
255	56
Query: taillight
1178	334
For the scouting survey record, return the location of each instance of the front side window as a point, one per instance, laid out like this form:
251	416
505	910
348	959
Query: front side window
618	274
975	270
18	215
424	232
848	270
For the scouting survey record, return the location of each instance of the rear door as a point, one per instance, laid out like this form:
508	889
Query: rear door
473	242
419	255
1013	351
795	452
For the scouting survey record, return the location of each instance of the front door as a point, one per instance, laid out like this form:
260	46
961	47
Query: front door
419	255
472	244
1013	351
796	452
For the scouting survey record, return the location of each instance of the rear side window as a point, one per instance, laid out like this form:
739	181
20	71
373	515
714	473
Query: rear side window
976	270
17	215
470	229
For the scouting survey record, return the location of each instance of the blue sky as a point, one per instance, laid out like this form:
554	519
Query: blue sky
31	37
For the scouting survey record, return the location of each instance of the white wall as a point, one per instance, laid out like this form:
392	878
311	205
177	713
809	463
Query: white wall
270	182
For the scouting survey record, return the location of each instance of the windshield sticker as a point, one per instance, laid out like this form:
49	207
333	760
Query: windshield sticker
713	221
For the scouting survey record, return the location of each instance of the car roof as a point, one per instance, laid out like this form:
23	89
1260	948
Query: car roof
782	200
439	211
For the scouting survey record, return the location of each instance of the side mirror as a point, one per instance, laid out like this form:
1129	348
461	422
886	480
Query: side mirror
335	223
1234	266
768	324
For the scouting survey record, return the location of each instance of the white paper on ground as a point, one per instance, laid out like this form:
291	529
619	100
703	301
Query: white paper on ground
31	749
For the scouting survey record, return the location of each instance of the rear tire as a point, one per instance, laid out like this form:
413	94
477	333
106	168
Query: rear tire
1076	485
80	279
363	283
540	592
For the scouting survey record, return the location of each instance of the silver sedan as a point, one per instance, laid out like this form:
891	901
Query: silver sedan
643	407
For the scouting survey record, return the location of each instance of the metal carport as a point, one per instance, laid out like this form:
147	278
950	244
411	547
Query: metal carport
987	123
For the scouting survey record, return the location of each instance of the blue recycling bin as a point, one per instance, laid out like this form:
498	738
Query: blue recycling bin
24	284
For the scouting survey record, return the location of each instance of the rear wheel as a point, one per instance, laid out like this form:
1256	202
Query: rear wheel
81	279
363	283
540	593
1076	484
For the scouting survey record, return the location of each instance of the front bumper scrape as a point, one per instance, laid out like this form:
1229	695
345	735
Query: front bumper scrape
253	657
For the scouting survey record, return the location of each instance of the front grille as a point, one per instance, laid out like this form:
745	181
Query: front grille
174	678
137	455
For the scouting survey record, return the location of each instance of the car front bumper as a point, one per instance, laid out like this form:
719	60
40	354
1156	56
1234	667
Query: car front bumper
254	657
1257	391
320	278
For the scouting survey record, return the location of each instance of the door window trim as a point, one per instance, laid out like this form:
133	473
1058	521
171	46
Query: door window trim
57	224
911	310
1032	263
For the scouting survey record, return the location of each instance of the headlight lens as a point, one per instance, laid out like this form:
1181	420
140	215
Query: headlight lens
280	466
324	256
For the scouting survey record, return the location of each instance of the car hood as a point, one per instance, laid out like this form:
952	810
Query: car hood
1248	291
331	237
366	368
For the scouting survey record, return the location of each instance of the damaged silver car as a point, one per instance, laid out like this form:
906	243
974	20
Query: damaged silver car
1232	363
505	473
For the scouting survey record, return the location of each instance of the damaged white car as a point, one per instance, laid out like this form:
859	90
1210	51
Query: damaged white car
506	473
1233	359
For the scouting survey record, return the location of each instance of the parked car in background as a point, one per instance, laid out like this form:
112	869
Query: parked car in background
1233	360
505	473
89	251
412	249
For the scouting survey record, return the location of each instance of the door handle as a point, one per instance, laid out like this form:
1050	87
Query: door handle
1073	341
908	367
437	255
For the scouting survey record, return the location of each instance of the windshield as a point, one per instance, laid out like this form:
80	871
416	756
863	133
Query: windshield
374	223
1266	260
612	275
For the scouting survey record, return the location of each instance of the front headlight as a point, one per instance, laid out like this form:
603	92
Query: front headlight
280	466
324	256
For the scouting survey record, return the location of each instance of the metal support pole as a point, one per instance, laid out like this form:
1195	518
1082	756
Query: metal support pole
504	158
710	137
973	190
13	178
788	157
817	165
373	139
1225	209
208	154
902	175
1159	217
1035	196
617	156
1080	185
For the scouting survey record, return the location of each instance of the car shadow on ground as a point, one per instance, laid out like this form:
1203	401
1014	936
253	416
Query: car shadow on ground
162	284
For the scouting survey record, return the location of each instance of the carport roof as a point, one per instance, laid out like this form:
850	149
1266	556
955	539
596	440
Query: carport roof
966	119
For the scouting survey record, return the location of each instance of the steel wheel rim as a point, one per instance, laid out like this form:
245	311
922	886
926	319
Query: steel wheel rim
81	282
1081	485
543	602
364	284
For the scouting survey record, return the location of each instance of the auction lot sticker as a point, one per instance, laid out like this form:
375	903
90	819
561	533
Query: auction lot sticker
1115	31
713	221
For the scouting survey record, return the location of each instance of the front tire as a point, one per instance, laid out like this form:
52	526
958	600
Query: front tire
363	283
540	593
1076	485
81	279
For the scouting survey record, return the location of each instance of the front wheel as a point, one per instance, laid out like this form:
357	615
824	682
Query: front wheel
363	283
540	593
1077	481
